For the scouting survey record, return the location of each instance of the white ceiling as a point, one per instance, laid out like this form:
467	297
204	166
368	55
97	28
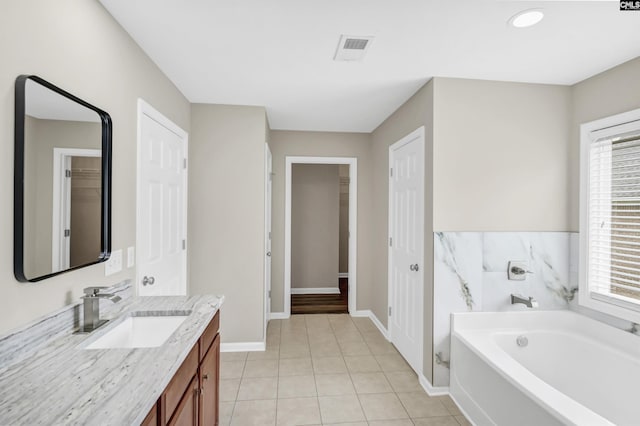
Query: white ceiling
279	53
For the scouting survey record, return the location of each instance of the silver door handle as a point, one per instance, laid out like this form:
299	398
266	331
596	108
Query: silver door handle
269	253
414	267
148	280
411	267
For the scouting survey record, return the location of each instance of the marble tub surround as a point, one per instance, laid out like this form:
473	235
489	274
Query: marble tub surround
101	386
27	340
470	274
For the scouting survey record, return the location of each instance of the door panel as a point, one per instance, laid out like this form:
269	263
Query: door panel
161	254
267	236
406	254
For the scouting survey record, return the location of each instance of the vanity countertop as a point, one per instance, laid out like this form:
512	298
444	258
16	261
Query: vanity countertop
63	383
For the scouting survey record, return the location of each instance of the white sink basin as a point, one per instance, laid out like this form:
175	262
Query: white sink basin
139	332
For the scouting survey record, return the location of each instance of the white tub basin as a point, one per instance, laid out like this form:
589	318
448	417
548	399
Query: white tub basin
139	332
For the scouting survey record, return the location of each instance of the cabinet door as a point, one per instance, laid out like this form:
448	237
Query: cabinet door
209	374
186	413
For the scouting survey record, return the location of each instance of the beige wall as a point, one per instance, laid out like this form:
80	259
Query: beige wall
343	262
79	47
416	112
315	225
612	92
501	156
226	214
293	143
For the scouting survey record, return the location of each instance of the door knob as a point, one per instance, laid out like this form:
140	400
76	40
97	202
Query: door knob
416	267
411	267
269	253
148	280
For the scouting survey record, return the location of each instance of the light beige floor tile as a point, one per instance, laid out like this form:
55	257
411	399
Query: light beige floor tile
298	411
382	406
296	386
381	347
436	421
373	335
354	347
462	420
262	355
295	367
261	368
361	364
298	338
346	424
251	413
334	384
233	356
258	388
273	340
224	416
348	335
229	389
400	422
231	369
449	405
404	381
326	350
370	383
364	324
419	404
295	351
392	363
340	409
329	365
322	337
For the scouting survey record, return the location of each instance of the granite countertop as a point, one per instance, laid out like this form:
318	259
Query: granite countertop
63	383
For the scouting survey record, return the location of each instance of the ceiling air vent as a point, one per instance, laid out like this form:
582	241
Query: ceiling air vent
352	48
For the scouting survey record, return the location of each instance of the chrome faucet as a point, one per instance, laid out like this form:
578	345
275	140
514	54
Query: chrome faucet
528	302
92	296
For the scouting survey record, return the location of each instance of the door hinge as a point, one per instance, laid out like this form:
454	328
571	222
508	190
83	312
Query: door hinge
67	232
389	310
269	234
269	294
390	242
185	163
184	244
67	173
391	172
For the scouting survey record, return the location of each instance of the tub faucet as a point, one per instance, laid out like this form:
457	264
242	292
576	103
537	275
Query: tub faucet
92	296
528	302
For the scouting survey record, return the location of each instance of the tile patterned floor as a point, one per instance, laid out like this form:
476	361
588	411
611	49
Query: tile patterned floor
327	370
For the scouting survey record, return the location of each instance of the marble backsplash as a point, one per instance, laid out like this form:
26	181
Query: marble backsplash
470	274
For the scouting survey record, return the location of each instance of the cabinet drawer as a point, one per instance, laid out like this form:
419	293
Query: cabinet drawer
180	382
186	413
209	334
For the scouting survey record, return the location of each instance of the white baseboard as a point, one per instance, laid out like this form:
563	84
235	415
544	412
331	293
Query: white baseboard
316	290
343	275
243	347
432	390
278	315
369	314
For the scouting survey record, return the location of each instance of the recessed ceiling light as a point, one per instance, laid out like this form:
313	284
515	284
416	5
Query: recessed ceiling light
526	18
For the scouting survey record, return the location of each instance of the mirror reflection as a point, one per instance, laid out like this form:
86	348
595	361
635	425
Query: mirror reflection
62	183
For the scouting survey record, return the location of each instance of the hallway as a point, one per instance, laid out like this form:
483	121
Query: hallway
327	369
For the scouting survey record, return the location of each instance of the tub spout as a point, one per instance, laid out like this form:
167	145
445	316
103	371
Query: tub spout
529	302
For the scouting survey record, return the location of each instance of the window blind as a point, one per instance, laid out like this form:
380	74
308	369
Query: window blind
614	214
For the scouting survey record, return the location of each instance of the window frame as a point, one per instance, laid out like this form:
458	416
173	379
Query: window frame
624	308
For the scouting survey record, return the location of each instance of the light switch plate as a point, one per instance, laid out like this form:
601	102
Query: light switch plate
131	257
114	264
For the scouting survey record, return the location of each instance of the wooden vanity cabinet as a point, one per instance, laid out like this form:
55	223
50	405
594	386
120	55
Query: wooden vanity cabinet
191	398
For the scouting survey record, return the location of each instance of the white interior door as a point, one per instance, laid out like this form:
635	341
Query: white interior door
267	237
161	206
406	251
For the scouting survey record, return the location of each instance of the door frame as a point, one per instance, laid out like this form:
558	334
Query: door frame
62	209
145	108
353	224
268	217
419	134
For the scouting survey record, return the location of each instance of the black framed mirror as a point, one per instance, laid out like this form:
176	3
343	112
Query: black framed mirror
62	181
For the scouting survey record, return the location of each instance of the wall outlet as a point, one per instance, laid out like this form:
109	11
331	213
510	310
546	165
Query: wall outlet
114	264
131	257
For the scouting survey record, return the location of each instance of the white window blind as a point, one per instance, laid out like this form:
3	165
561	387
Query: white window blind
614	215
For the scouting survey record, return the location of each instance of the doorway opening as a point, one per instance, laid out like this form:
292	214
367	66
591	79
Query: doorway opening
320	235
